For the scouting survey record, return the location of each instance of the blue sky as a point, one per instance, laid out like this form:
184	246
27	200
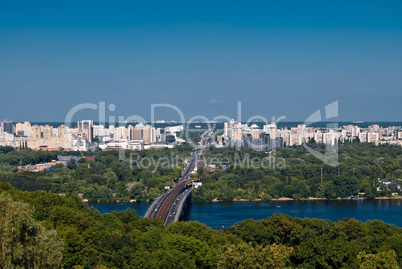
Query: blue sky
276	57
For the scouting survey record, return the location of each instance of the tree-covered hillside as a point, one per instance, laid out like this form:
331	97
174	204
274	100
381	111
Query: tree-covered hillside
50	231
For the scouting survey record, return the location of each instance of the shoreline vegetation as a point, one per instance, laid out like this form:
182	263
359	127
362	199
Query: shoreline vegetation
281	199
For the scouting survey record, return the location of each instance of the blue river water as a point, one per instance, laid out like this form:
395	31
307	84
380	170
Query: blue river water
225	214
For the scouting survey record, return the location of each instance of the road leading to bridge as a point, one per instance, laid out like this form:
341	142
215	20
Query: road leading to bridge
164	207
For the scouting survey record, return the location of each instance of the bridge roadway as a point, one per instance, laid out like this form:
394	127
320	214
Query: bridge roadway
152	212
165	207
177	207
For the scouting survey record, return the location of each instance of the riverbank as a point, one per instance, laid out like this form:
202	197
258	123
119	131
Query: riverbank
389	198
252	200
306	199
112	201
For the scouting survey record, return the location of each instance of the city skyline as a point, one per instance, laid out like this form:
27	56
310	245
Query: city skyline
277	59
87	134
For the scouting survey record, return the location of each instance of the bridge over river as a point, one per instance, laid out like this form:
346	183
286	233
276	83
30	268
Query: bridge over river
169	206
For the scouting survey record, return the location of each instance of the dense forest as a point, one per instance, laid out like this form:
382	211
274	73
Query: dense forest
293	172
240	174
44	230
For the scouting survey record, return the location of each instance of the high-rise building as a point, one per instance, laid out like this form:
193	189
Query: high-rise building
254	143
271	129
263	143
121	133
228	129
266	142
161	134
47	132
62	130
373	137
276	143
101	131
363	137
85	129
23	129
255	131
36	132
146	133
8	127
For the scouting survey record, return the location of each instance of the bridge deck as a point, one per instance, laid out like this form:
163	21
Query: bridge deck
151	212
164	208
176	210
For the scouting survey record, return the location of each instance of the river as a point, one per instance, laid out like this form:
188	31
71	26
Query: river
225	214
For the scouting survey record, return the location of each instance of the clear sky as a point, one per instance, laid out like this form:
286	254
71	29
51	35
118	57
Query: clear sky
277	57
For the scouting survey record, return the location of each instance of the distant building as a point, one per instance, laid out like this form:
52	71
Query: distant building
85	130
271	129
373	137
386	183
47	132
8	127
263	143
143	132
161	134
363	137
23	129
120	133
277	143
197	184
170	139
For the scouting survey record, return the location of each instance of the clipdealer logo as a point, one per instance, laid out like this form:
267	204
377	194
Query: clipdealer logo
330	156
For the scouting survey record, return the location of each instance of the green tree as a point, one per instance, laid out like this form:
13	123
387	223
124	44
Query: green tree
71	164
380	260
24	243
245	256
